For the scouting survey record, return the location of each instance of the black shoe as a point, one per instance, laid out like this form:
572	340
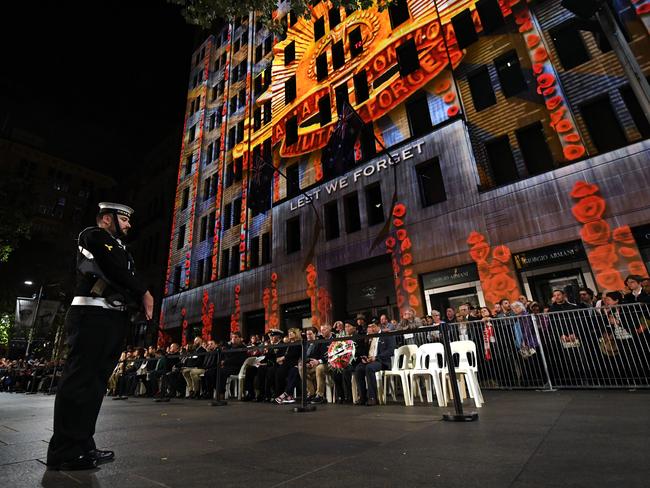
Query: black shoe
121	397
76	464
360	402
162	399
101	456
317	400
371	402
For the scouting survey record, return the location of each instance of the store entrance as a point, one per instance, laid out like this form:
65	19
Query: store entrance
254	323
570	281
443	298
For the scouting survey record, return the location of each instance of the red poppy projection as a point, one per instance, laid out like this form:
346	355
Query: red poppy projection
399	246
612	253
236	315
271	305
319	298
495	269
207	312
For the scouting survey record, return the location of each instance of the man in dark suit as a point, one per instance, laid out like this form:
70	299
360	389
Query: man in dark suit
380	352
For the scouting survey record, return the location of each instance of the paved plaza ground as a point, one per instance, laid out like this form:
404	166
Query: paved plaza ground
523	439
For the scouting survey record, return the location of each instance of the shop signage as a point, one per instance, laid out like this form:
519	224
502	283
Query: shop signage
451	276
548	256
378	165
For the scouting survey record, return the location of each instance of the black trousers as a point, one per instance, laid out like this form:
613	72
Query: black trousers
95	337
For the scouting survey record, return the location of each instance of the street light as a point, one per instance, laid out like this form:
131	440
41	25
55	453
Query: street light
29	283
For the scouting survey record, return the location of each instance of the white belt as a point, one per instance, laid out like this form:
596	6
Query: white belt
97	302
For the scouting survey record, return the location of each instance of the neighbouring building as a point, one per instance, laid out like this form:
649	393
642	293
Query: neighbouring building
517	162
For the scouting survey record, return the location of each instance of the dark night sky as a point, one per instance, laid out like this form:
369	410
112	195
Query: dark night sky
101	81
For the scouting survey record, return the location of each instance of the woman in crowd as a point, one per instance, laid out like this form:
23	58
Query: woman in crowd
286	374
527	345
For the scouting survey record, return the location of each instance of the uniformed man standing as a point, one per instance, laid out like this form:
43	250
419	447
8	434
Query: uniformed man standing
96	325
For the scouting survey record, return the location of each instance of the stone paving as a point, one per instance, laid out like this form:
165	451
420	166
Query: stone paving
523	439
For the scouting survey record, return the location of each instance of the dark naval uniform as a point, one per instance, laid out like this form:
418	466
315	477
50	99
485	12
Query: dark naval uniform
96	325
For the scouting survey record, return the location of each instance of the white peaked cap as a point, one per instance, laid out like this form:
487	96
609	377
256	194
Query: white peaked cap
105	207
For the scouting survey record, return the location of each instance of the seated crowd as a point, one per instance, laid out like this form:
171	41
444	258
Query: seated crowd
506	337
31	376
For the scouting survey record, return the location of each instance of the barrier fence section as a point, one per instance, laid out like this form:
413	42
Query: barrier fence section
606	347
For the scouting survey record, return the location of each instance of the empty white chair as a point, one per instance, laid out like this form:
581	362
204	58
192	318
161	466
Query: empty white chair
238	380
429	364
404	361
467	366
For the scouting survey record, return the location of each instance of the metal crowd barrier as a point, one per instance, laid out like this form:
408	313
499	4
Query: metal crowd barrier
584	348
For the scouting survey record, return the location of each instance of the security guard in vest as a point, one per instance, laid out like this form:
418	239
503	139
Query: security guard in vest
96	324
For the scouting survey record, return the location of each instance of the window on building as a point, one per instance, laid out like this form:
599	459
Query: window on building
233	105
338	55
231	137
464	28
192	133
236	211
633	106
255	252
188	165
259	52
319	28
242	98
290	90
569	45
266	248
225	263
374	204
332	230
267	112
209	153
291	129
407	57
417	110
234	75
321	66
235	45
227	216
356	42
481	89
200	270
240	131
244	39
212	220
258	84
603	126
501	161
334	15
290	53
398	12
257	118
185	199
234	260
293	235
230	175
181	237
268	44
237	168
206	189
351	210
293	180
430	183
208	270
490	14
325	110
213	121
534	149
367	141
267	77
361	92
341	95
510	74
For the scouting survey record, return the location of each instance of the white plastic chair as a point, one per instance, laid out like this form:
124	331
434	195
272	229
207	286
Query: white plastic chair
238	380
429	363
467	366
404	361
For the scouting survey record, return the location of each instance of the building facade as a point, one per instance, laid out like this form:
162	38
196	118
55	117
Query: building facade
503	154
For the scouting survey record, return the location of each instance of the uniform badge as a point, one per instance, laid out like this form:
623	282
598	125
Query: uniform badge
110	248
